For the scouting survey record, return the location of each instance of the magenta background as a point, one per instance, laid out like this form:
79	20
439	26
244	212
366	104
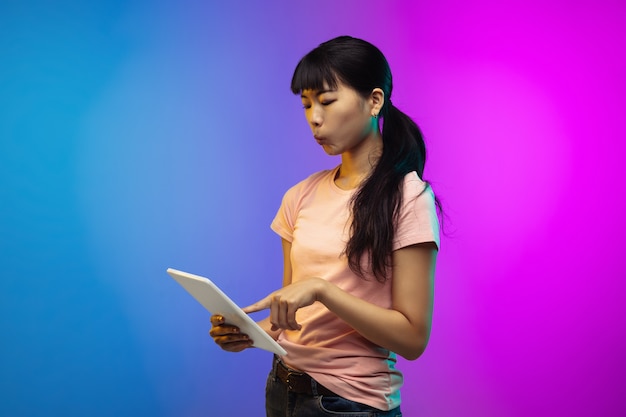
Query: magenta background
143	135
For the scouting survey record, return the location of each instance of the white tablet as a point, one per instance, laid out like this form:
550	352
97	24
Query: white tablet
214	300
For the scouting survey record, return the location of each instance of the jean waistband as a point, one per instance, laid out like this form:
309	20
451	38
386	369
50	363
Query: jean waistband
299	382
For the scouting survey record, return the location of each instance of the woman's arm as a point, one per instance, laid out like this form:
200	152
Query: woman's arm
404	329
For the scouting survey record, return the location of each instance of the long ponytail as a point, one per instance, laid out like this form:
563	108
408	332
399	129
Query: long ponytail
372	230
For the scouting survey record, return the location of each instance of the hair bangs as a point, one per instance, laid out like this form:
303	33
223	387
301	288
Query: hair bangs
314	72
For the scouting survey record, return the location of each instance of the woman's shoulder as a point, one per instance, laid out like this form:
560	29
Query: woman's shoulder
319	176
313	180
415	186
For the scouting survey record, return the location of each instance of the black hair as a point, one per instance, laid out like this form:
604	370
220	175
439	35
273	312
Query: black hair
362	66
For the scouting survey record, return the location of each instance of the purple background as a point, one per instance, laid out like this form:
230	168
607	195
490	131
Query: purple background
136	136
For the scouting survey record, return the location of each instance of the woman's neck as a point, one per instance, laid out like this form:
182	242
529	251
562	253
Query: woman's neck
357	164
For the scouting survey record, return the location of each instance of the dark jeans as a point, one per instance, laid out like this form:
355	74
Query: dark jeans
281	402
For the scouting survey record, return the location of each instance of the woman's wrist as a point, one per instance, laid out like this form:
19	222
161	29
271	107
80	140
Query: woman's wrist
324	289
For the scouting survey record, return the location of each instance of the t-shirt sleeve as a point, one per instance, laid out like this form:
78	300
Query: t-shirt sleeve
417	222
283	223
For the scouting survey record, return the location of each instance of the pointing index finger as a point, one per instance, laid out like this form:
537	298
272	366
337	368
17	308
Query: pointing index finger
258	306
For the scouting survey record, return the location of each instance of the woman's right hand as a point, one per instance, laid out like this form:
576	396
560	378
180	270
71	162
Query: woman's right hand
227	336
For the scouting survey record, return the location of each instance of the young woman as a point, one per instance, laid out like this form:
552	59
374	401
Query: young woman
359	242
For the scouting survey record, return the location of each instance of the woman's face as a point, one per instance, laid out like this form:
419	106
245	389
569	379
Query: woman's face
340	119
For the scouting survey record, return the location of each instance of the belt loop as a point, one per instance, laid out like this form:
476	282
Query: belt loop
288	381
314	387
274	366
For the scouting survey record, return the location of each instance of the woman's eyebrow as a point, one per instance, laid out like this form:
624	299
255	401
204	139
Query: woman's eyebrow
318	93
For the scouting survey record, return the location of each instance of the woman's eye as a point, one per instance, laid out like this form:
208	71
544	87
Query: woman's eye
327	102
306	106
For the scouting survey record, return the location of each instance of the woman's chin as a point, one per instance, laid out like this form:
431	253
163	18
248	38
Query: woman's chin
330	150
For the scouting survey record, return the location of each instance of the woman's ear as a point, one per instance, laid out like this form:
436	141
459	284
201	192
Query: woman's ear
377	99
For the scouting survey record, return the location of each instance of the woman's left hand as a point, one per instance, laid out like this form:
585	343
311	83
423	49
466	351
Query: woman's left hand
284	303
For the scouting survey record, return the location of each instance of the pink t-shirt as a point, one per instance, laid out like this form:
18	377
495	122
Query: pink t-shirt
314	216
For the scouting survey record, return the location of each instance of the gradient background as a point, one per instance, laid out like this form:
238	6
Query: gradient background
141	135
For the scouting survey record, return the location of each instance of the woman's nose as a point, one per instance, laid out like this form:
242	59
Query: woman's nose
315	118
